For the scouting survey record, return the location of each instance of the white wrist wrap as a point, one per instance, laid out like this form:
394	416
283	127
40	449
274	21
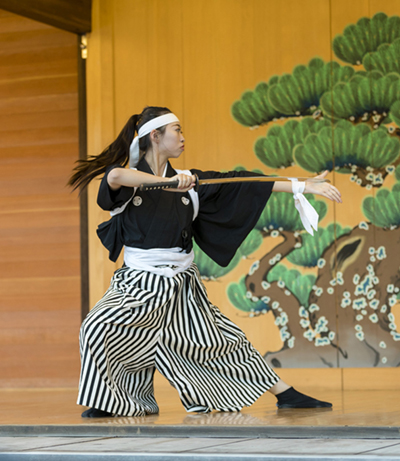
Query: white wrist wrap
308	215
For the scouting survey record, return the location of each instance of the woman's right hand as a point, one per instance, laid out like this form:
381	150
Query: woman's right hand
186	182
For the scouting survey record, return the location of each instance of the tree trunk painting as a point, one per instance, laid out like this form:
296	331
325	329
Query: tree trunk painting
362	274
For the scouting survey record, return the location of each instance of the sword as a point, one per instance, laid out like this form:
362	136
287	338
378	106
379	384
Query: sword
208	182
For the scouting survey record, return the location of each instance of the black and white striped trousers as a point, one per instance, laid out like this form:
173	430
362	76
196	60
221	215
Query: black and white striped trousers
146	321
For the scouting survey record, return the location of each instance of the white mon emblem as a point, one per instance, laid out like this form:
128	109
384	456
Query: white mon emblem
137	201
185	201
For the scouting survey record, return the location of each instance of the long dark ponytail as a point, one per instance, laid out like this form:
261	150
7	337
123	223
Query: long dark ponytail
118	151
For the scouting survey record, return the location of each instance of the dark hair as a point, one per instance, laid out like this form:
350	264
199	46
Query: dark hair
118	151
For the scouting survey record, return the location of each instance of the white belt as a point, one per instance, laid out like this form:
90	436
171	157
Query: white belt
161	261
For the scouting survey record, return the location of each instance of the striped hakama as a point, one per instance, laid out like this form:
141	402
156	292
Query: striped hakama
146	322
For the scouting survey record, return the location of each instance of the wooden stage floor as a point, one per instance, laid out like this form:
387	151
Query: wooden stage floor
369	414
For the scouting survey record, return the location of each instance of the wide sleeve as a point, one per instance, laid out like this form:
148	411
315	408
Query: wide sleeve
110	232
227	213
108	199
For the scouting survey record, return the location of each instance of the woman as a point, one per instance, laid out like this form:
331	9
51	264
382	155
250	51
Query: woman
156	313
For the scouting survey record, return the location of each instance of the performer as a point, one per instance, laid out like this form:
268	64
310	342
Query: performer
156	313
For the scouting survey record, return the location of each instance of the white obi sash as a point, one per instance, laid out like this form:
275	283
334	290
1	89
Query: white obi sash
161	261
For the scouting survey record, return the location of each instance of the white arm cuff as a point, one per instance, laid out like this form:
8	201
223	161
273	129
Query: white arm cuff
308	215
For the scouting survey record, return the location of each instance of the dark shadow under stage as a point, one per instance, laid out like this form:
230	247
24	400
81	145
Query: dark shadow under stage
355	414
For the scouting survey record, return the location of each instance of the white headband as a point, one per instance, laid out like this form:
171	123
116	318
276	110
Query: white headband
146	129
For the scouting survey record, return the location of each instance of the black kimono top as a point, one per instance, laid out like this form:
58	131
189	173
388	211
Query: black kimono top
162	219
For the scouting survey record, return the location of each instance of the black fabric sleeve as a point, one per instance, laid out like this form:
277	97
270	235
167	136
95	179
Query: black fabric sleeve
108	199
110	234
227	213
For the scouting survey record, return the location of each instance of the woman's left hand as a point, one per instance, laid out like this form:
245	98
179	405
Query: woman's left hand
323	188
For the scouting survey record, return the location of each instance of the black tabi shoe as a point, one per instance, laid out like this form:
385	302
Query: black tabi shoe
95	413
294	399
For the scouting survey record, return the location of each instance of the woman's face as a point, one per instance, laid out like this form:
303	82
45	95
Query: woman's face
172	142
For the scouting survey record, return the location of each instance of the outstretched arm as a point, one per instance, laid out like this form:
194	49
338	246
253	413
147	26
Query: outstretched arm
318	188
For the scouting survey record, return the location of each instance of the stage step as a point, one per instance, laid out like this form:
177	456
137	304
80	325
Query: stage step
188	457
195	449
200	431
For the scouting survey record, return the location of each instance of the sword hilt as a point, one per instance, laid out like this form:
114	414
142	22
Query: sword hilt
165	185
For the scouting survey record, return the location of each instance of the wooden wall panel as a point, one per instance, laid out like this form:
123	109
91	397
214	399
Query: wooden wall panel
101	116
39	217
197	58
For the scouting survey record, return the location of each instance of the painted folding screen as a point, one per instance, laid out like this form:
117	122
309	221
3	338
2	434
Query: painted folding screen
333	296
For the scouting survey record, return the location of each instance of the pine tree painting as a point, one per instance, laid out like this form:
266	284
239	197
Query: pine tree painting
359	109
343	118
